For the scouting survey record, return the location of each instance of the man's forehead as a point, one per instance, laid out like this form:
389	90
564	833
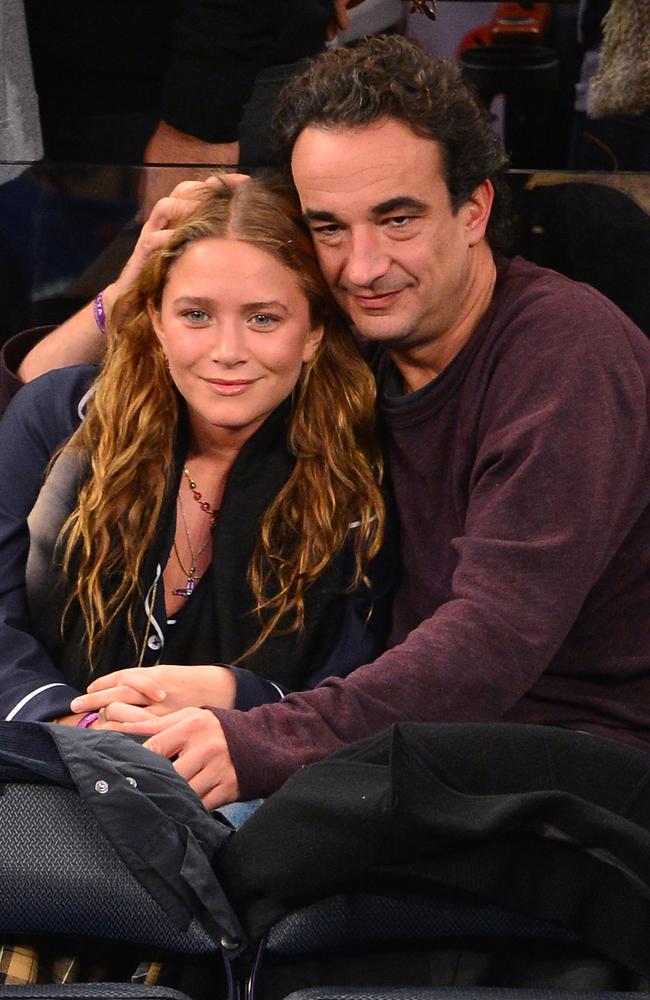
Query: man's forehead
373	164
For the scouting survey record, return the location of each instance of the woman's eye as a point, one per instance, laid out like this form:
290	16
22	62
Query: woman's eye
263	320
196	315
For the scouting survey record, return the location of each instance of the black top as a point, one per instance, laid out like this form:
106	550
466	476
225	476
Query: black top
41	670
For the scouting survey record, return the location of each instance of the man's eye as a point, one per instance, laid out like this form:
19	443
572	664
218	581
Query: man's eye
399	221
328	230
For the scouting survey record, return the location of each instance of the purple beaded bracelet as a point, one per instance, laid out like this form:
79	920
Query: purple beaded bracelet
100	312
87	720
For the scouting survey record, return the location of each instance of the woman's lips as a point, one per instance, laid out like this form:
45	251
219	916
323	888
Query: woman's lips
225	387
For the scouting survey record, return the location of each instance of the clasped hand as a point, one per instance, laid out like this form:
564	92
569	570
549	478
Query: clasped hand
136	694
161	702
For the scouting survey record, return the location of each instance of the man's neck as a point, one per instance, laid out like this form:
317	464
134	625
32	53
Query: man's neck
420	364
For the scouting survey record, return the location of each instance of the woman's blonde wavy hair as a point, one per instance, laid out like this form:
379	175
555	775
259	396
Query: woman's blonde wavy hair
129	434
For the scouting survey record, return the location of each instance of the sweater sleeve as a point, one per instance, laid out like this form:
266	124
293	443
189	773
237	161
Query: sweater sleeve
37	422
559	479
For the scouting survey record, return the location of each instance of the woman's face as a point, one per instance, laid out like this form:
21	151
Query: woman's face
234	324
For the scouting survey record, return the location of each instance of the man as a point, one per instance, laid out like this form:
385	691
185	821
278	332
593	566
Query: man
515	408
167	81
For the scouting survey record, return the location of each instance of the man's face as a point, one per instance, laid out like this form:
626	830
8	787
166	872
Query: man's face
397	258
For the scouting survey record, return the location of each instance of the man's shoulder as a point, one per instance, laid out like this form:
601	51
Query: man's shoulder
524	283
537	303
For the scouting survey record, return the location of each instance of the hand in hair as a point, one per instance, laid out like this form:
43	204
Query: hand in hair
160	690
169	145
194	740
166	215
79	340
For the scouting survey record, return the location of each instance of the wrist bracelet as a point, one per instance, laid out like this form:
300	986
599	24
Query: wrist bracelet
100	313
87	720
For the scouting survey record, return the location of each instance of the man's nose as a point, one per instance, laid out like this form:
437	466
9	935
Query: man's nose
367	260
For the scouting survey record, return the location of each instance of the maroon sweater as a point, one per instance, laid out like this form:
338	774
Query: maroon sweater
522	483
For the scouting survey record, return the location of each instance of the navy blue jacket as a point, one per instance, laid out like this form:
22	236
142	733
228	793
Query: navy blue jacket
36	681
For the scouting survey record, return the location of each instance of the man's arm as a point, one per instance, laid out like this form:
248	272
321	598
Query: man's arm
219	48
79	339
561	477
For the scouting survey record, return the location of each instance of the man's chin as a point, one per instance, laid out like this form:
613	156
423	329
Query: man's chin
381	328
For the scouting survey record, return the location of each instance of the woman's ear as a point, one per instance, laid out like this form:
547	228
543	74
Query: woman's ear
154	317
312	343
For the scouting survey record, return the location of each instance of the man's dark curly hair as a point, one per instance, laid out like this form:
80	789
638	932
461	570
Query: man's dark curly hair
389	77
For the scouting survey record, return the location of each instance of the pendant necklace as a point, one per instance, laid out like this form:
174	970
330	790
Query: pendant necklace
192	579
203	504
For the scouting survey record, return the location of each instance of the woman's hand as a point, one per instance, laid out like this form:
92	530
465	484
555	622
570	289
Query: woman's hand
119	715
194	740
160	690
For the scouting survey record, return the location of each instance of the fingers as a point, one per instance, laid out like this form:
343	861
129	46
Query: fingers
231	180
187	196
154	725
126	693
115	715
173	733
93	702
120	712
162	215
194	737
222	794
143	681
211	776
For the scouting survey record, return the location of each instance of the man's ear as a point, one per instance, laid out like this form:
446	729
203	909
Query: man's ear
154	317
312	343
476	212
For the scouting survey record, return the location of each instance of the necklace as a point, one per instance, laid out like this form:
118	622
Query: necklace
203	504
192	579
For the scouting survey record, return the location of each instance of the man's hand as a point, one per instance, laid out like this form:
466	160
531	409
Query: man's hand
78	340
160	690
194	740
165	216
168	145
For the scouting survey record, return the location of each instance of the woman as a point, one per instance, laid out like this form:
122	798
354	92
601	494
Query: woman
218	503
